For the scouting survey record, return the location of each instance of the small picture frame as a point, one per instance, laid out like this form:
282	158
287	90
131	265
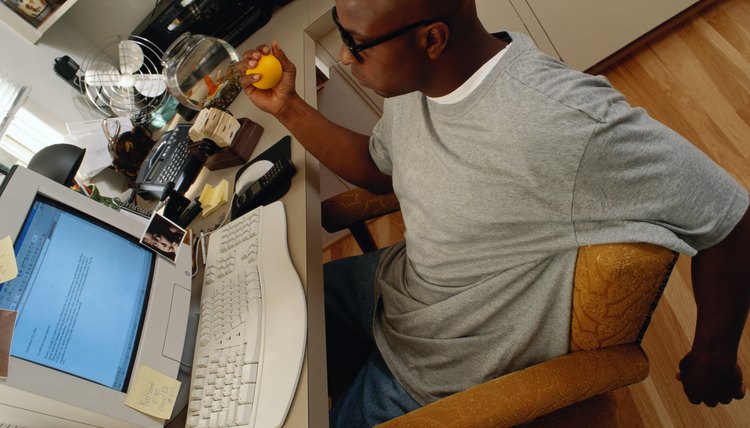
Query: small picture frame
33	11
163	236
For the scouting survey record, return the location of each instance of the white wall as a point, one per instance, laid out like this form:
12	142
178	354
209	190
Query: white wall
73	34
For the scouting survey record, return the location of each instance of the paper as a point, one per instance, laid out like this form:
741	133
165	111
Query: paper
90	135
8	266
7	324
152	393
212	198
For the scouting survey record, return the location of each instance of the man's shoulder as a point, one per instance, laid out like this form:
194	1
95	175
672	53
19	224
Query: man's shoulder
556	81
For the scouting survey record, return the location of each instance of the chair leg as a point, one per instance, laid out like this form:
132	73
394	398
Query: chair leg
362	235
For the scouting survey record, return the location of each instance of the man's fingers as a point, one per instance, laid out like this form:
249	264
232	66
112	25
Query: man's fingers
286	64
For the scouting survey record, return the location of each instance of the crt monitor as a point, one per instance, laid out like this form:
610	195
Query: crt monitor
92	305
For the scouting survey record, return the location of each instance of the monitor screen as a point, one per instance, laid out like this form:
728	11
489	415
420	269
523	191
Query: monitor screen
80	294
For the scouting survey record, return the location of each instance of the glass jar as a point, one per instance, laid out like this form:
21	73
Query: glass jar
200	72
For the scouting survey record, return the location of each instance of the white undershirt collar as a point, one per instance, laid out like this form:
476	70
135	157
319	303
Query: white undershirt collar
472	82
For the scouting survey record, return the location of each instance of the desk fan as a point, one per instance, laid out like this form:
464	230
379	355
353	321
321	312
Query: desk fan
122	77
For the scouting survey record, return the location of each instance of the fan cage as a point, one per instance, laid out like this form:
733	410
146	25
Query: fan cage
120	98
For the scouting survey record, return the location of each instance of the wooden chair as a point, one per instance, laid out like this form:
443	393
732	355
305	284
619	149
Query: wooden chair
616	289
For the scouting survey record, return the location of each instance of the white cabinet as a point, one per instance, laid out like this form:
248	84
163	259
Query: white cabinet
584	32
504	16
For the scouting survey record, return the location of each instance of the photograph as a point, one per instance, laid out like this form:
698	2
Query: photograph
163	236
33	11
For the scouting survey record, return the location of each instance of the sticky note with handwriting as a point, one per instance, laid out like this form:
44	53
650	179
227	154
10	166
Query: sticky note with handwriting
8	266
152	393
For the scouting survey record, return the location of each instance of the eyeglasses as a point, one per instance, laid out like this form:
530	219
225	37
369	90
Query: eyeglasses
355	48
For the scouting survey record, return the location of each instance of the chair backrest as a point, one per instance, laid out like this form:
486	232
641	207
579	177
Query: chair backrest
616	289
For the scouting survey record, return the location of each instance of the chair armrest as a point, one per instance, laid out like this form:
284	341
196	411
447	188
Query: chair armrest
521	396
355	205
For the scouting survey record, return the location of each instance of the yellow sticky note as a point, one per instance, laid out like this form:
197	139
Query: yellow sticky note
152	393
212	198
8	266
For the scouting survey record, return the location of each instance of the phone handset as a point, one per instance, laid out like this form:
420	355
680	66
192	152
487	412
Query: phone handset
254	192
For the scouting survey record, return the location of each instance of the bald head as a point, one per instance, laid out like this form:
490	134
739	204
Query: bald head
444	44
395	13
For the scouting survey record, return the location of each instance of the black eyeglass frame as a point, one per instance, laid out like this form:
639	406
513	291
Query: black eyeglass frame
355	48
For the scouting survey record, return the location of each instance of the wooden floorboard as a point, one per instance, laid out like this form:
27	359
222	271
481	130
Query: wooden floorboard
696	80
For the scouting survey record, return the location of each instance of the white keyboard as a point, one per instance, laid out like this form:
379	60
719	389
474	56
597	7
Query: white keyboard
253	326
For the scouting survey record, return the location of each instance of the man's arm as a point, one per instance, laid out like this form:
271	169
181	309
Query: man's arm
721	286
343	151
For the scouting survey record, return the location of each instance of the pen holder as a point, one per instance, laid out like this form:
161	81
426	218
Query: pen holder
238	153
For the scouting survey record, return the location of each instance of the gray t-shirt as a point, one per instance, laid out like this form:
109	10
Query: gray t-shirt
497	193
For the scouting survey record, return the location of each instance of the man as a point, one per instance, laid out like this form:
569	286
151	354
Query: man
504	162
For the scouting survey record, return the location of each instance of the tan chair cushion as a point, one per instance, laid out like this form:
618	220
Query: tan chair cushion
615	291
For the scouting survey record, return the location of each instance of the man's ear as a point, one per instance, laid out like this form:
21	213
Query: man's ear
436	39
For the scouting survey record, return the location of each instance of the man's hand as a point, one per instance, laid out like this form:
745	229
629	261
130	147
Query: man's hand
710	382
271	100
721	285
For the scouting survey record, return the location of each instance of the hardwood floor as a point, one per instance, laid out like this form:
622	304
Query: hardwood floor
695	79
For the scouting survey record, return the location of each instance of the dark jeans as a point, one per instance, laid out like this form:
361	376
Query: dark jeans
363	391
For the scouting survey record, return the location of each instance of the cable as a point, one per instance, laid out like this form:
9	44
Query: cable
200	242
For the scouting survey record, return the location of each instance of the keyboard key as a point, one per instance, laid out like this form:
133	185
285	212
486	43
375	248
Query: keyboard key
247	391
249	373
244	412
223	416
232	417
193	421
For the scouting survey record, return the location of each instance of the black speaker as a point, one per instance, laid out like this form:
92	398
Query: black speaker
58	162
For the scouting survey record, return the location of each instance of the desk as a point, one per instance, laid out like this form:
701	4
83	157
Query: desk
302	202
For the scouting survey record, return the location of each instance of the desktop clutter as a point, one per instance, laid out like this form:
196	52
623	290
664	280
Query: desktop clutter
169	166
200	74
259	329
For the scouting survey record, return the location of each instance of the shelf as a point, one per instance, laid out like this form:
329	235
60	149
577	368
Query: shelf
25	28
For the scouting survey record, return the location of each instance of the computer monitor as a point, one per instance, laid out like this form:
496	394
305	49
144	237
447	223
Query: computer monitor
93	305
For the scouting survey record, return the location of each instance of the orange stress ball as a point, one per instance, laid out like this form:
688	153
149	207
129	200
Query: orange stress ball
269	69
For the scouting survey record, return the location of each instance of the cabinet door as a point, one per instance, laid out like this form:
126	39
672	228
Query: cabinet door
502	16
499	15
585	32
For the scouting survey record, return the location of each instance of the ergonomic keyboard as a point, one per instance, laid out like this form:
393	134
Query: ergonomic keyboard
253	326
